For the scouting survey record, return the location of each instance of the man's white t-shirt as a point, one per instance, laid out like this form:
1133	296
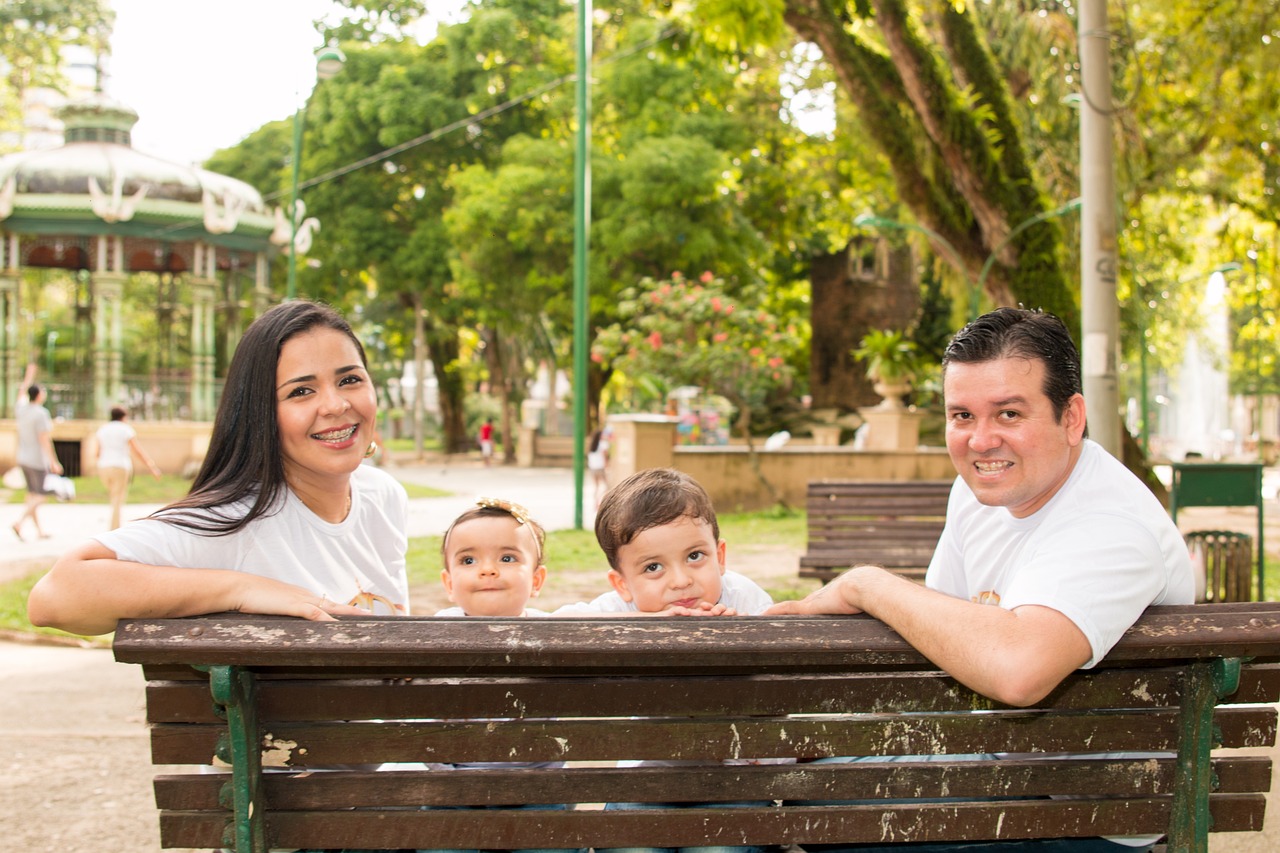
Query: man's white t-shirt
1100	552
360	559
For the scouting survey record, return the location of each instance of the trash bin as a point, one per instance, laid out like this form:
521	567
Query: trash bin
1222	484
1226	559
68	453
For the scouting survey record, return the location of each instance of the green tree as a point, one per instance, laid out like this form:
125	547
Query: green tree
676	331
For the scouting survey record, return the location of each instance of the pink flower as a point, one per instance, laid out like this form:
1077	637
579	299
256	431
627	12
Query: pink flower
720	337
655	297
655	339
597	358
707	276
665	289
775	361
677	275
715	303
755	351
728	309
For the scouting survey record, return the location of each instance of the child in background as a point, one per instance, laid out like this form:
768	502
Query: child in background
493	561
659	532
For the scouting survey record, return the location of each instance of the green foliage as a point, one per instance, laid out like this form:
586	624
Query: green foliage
889	356
687	332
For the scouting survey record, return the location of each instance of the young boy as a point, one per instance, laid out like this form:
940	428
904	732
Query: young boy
493	561
659	532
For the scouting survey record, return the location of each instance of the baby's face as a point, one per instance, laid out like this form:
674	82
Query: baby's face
674	564
491	566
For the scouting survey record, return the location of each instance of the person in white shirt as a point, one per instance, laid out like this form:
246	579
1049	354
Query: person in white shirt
1051	548
281	519
36	456
117	444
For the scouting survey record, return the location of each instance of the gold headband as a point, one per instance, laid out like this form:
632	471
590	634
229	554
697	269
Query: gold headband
519	513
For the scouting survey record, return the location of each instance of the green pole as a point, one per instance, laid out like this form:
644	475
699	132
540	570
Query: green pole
581	241
291	289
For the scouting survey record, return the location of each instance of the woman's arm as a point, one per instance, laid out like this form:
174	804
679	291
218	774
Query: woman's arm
88	590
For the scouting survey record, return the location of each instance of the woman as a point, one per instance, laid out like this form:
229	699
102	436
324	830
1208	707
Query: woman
598	464
282	518
117	442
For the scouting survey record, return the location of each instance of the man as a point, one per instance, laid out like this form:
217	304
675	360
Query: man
1051	549
35	449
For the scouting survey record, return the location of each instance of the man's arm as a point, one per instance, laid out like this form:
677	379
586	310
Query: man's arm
50	455
1013	656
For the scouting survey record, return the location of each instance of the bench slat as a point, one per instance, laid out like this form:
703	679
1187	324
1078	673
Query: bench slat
760	644
303	744
298	700
504	829
1033	777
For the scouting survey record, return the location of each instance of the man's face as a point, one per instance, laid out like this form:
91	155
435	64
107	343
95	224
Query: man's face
675	564
1002	434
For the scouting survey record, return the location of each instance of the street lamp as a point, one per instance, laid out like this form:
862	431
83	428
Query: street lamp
1148	311
1257	351
329	61
1074	204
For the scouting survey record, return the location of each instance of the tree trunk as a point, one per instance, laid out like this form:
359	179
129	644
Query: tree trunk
867	285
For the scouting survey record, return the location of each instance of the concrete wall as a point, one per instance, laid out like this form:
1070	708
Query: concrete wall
725	472
176	446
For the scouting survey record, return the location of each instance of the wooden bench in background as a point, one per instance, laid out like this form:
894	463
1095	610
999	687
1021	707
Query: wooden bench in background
889	523
289	694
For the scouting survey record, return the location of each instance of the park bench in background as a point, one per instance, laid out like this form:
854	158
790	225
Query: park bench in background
288	694
889	523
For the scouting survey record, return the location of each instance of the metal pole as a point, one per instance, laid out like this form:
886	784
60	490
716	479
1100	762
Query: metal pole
1257	353
581	241
1100	309
291	289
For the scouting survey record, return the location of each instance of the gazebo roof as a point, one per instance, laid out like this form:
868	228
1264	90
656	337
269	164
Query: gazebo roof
96	183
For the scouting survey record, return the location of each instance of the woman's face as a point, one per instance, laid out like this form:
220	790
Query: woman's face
325	405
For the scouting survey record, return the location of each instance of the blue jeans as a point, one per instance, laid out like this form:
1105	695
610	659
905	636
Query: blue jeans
1047	845
540	807
707	849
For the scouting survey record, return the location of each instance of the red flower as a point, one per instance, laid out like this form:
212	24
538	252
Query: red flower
755	351
720	337
707	277
775	361
597	358
655	339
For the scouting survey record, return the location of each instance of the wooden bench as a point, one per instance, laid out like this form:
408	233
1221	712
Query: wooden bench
889	523
285	694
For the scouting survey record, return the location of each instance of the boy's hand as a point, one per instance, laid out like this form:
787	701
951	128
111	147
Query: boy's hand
701	609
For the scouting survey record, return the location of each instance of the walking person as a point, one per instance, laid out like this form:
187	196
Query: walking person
36	456
486	441
598	464
117	444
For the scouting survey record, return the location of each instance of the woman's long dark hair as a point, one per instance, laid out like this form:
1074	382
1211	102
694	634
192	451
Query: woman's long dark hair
244	460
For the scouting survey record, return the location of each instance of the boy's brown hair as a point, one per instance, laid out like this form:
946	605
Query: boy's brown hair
650	498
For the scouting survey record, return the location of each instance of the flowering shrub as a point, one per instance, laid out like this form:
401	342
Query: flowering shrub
691	332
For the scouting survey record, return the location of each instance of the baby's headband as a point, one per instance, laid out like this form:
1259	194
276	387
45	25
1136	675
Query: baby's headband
519	513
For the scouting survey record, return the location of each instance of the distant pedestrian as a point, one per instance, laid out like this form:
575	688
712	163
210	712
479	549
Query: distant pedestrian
486	441
36	456
598	463
117	442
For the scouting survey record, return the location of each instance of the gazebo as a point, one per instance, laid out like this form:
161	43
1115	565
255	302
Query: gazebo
102	211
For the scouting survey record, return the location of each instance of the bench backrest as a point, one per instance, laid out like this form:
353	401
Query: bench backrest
890	523
291	695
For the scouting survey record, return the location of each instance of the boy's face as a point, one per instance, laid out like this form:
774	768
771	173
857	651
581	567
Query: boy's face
678	563
491	566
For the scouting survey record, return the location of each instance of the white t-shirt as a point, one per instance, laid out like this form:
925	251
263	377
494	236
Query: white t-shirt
737	591
361	557
456	612
1099	552
33	421
113	445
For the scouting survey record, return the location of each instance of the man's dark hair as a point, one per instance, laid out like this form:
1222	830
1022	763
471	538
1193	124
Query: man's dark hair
1022	333
33	391
117	413
647	499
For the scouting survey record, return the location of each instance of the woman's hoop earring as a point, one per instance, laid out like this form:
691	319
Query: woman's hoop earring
371	449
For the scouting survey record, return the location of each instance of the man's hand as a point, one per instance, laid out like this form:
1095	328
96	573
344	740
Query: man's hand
840	597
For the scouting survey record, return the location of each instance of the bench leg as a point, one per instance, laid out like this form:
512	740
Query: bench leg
1203	685
234	691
